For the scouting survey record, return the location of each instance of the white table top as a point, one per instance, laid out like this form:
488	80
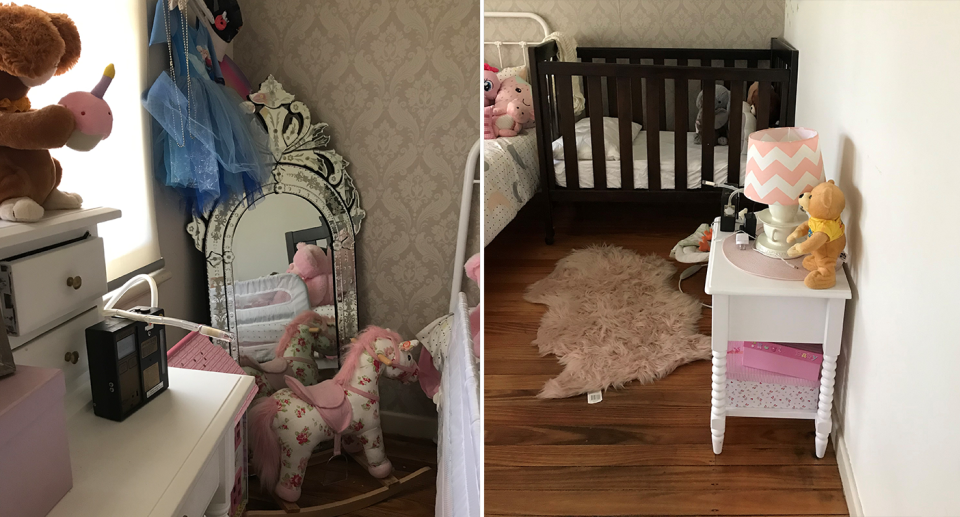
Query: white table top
726	279
145	465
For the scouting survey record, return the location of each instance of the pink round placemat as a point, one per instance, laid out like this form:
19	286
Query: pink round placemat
758	264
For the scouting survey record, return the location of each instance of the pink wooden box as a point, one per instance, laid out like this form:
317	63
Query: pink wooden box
34	455
795	360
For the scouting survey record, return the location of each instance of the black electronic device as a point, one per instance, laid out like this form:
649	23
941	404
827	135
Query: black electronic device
728	223
128	364
750	224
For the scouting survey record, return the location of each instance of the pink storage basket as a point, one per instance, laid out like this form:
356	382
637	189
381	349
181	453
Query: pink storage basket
795	360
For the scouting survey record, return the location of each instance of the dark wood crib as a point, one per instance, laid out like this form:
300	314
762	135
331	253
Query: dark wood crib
633	85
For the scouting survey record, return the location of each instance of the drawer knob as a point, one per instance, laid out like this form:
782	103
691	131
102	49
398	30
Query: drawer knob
75	282
71	357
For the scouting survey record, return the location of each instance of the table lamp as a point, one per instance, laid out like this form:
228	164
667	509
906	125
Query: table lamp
782	164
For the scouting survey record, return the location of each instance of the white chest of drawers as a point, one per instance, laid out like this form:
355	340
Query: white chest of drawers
173	457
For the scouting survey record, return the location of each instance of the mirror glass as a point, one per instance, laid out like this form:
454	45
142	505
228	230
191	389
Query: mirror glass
265	235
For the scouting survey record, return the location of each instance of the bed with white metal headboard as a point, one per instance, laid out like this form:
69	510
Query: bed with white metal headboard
511	164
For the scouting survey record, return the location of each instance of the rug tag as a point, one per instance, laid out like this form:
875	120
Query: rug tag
594	396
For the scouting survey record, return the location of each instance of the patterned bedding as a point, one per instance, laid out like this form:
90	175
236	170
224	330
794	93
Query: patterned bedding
511	176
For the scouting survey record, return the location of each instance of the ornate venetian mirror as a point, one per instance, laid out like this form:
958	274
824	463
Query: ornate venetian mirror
310	198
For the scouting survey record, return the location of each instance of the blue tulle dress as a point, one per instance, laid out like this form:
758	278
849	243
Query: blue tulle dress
207	148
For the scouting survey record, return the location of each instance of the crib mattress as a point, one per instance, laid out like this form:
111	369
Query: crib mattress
667	165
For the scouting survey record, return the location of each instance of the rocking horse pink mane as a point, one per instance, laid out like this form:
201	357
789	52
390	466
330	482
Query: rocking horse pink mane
366	338
304	318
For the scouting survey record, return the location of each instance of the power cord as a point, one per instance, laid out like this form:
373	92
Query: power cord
687	273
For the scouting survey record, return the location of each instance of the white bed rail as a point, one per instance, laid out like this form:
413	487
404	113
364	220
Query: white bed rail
522	44
470	179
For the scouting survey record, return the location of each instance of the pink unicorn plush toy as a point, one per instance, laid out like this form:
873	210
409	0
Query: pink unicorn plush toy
315	267
512	109
287	426
491	84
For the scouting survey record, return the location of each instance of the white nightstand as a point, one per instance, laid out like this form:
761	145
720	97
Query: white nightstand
750	308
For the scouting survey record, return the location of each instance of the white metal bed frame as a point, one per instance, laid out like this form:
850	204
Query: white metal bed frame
473	161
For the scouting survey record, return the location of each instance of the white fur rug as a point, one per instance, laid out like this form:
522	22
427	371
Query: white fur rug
613	317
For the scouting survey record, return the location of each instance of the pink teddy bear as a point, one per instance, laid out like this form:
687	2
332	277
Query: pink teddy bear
314	266
512	109
491	84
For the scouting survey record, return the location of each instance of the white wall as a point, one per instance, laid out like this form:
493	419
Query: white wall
879	81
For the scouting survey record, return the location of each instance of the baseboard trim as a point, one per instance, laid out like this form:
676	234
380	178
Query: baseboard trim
850	492
413	426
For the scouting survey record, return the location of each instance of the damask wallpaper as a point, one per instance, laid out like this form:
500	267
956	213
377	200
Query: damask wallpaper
397	80
640	23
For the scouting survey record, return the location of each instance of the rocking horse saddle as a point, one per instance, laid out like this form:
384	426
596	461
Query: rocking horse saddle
329	399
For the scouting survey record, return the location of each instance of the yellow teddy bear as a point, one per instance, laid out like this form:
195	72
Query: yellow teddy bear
825	231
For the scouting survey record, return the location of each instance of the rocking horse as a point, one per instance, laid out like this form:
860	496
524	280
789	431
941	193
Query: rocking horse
309	332
287	426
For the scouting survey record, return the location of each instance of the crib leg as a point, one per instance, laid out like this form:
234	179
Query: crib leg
548	219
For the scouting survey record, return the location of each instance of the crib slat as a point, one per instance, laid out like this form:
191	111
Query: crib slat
565	109
763	105
734	135
663	98
653	135
680	119
595	106
728	63
626	134
636	89
707	135
612	92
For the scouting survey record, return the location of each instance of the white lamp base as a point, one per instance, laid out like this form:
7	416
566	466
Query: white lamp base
773	241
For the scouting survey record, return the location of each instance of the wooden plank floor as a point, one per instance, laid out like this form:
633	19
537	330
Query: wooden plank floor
643	450
406	454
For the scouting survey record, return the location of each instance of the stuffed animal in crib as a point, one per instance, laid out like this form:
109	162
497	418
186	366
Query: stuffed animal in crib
287	426
721	115
315	267
307	334
491	84
826	235
35	46
512	109
753	99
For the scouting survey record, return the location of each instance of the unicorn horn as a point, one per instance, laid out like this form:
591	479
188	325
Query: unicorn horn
101	87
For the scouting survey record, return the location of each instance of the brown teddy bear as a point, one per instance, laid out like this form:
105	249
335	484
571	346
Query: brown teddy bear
34	46
826	238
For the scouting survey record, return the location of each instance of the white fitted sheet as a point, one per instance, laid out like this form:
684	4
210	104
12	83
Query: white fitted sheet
667	165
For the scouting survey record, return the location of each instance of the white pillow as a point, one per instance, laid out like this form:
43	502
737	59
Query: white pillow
611	139
513	71
749	126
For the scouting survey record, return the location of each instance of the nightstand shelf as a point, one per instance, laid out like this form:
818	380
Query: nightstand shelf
750	308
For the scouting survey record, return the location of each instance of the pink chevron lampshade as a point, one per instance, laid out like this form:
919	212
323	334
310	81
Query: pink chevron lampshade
782	164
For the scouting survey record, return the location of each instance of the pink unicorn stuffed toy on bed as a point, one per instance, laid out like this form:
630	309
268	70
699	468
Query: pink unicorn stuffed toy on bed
512	109
491	84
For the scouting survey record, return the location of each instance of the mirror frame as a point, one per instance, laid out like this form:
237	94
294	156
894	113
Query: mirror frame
301	166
